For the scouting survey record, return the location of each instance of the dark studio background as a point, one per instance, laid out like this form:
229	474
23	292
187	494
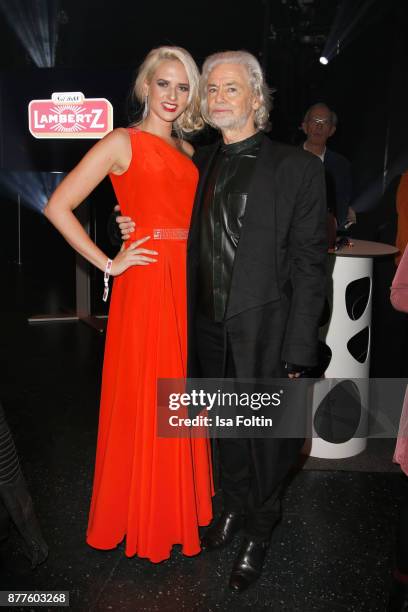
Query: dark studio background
100	45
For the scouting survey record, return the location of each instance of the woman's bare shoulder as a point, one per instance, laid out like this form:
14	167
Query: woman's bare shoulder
118	136
119	145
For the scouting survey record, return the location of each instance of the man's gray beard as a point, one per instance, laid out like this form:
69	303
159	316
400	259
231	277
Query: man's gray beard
230	123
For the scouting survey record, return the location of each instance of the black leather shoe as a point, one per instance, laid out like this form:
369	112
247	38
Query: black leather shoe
223	531
248	564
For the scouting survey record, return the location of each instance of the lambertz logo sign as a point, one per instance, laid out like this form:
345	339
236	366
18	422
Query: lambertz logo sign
70	115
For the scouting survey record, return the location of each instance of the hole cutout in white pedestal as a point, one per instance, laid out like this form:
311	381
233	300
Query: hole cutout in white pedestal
359	344
357	296
338	415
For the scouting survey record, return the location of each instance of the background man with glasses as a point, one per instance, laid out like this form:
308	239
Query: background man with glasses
319	124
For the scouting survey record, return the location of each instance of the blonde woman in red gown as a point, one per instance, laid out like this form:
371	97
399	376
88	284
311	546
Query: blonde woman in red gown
152	491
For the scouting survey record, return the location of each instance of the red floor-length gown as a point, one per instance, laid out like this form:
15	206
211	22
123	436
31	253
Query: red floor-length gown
153	491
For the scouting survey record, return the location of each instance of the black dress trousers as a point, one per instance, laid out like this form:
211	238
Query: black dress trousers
239	483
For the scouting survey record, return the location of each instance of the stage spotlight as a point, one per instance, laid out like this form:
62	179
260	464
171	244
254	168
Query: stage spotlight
323	60
33	188
36	26
351	18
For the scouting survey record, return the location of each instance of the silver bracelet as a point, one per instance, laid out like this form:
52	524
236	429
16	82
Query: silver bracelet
106	276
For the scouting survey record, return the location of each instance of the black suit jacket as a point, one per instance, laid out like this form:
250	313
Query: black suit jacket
279	276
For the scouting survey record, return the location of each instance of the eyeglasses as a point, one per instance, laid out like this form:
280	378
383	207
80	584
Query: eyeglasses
318	121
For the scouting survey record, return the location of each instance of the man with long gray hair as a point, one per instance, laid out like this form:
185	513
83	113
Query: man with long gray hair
256	286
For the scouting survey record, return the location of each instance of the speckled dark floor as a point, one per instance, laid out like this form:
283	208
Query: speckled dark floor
332	552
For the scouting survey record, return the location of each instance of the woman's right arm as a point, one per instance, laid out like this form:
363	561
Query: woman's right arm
111	154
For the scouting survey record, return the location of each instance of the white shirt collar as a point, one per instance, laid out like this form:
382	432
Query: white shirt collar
321	156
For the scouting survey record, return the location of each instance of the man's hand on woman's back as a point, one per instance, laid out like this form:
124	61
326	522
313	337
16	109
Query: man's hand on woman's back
120	228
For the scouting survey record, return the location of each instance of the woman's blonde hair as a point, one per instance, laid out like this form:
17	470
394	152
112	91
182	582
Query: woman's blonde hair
255	77
190	120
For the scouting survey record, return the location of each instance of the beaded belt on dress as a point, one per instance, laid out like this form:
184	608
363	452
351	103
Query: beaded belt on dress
170	233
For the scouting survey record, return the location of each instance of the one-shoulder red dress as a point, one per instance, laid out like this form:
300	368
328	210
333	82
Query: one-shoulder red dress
153	491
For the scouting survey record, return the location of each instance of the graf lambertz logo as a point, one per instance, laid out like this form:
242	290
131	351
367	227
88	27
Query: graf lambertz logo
70	115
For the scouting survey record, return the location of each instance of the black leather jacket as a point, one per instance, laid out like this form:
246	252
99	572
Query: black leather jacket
223	208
